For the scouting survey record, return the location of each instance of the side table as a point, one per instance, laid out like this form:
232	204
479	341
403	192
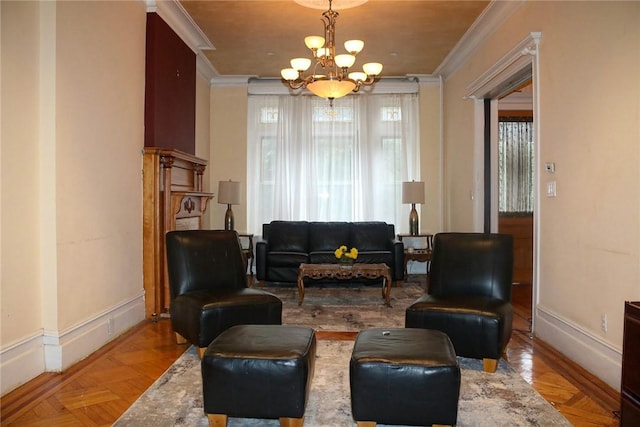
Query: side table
420	255
417	248
247	250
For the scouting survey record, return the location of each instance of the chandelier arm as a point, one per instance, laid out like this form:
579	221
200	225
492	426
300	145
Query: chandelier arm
296	84
369	81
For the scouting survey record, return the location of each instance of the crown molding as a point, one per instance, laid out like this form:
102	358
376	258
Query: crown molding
227	81
179	20
204	68
428	79
386	85
486	24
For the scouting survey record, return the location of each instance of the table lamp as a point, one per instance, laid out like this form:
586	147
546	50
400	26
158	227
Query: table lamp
229	194
413	192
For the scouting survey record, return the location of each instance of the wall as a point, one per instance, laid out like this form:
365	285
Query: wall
589	235
170	88
21	316
430	220
202	137
71	180
228	156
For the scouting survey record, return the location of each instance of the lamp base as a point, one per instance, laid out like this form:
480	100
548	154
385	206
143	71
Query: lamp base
413	220
228	219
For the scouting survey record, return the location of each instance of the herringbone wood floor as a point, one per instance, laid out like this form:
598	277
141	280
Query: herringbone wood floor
97	390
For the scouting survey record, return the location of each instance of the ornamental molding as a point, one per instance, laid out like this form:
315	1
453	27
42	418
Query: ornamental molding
508	72
491	18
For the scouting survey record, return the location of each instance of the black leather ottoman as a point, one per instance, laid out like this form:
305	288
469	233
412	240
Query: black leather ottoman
404	376
259	371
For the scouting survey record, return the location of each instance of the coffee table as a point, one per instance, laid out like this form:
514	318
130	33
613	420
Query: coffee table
341	272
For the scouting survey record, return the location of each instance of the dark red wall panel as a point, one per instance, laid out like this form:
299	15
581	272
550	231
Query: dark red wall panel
170	95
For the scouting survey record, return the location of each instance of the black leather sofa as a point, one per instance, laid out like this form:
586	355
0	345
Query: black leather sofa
287	244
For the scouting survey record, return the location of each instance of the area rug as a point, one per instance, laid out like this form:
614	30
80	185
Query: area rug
346	309
499	399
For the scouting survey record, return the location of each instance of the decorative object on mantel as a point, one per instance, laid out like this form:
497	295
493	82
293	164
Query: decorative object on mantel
346	257
229	194
413	192
330	77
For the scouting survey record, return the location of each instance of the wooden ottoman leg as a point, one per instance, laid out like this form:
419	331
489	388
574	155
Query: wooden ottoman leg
291	422
217	420
490	365
201	351
180	339
366	424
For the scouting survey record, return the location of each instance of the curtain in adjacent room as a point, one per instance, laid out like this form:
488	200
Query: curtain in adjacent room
310	161
516	162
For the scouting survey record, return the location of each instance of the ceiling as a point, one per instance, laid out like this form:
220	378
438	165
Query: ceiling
259	37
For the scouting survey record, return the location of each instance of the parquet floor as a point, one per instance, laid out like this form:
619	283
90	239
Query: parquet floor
97	390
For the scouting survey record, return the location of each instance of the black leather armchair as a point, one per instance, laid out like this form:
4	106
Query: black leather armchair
208	286
469	295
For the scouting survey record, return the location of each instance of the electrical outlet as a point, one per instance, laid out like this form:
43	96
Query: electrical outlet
110	326
604	322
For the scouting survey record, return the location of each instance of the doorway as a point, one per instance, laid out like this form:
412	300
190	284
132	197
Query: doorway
518	67
516	177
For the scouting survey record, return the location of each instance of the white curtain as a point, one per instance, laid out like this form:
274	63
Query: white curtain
308	161
516	165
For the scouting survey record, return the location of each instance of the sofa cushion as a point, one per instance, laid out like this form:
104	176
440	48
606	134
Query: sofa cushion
370	236
376	257
286	259
323	257
288	236
328	236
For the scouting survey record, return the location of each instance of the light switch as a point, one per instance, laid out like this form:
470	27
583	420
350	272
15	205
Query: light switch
551	189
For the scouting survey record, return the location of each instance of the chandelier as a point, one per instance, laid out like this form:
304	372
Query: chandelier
330	77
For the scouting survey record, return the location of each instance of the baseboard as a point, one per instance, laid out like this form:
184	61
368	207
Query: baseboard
21	362
55	351
592	353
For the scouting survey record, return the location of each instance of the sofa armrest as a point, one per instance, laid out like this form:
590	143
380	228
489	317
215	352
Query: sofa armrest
262	248
398	260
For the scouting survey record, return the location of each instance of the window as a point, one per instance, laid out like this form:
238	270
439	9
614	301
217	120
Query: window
516	164
307	161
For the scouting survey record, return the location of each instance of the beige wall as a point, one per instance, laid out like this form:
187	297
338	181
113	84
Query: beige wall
228	156
430	157
21	310
99	135
203	135
73	128
589	126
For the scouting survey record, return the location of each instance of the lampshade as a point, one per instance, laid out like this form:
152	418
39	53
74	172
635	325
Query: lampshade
229	192
353	46
372	68
413	192
331	89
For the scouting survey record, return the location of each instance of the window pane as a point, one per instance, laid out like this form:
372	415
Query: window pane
516	166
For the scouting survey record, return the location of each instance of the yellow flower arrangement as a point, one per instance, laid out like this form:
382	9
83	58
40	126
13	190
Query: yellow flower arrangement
345	255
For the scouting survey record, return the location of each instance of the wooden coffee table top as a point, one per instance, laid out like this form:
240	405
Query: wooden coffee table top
339	271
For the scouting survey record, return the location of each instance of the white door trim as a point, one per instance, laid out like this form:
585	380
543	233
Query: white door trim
517	66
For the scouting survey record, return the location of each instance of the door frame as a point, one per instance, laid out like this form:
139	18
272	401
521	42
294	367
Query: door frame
520	64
